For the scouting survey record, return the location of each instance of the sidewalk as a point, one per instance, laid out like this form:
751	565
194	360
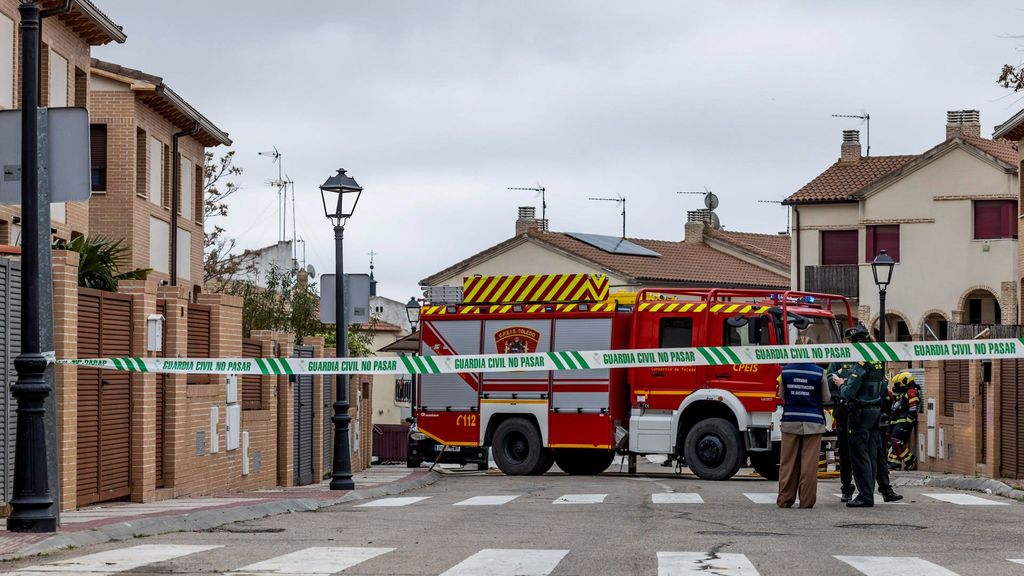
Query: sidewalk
125	520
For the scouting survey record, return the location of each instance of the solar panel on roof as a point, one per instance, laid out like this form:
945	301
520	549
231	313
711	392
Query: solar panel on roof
613	244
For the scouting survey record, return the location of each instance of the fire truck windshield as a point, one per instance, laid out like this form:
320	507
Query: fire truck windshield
817	330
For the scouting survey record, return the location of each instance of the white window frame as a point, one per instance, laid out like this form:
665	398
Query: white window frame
159	245
156	171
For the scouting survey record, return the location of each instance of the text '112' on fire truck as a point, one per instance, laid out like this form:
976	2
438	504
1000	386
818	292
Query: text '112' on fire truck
713	417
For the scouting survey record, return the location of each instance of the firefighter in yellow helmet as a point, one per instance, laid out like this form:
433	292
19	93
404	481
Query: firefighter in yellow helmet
905	406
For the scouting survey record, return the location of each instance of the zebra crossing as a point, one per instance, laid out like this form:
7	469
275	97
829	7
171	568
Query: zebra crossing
324	560
693	498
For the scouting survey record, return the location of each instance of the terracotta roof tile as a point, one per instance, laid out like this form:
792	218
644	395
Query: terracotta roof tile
842	179
1002	149
775	247
679	262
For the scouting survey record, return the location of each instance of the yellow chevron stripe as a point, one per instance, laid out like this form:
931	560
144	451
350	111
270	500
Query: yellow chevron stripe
471	286
686	307
746	309
644	306
601	286
700	307
542	290
533	279
657	306
550	294
573	281
671	307
732	308
717	307
501	289
762	309
535	308
491	283
570	307
468	310
515	288
585	292
505	308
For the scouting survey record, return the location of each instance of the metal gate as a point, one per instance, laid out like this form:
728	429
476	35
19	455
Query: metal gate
1011	421
10	347
104	398
303	403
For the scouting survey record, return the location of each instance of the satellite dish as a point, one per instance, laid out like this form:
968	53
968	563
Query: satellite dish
715	222
710	201
311	271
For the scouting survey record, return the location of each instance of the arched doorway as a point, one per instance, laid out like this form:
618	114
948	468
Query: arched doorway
935	326
980	306
896	329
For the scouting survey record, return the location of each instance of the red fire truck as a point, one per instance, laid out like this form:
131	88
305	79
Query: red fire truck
713	417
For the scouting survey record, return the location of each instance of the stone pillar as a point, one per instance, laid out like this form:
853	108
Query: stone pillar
1008	303
65	332
143	394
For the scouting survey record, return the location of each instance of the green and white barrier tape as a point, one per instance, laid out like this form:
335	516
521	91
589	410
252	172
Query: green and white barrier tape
573	360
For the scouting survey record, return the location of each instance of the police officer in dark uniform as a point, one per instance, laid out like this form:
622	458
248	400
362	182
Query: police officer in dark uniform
861	388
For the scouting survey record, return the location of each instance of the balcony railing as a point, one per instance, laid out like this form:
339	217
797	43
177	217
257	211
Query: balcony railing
842	280
971	331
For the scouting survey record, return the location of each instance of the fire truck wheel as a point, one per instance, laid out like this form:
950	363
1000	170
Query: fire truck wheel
517	447
713	449
583	461
545	463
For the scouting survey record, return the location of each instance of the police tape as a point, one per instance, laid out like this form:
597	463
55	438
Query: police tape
572	360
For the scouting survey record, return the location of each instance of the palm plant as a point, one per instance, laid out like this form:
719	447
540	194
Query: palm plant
100	261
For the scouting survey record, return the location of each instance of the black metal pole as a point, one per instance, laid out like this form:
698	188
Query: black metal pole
31	501
881	321
341	474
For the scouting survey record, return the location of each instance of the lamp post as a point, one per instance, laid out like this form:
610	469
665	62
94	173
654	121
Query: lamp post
338	211
881	268
412	313
32	501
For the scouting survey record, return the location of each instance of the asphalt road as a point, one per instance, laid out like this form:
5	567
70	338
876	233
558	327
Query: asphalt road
623	525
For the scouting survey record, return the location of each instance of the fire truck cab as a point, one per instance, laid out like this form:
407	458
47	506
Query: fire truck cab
712	417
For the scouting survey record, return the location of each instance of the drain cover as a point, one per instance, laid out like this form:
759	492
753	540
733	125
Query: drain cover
882	527
248	530
739	533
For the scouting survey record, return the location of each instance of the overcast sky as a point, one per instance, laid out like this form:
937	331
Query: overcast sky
436	107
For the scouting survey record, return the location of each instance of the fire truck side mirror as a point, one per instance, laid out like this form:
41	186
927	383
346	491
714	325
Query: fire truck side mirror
737	321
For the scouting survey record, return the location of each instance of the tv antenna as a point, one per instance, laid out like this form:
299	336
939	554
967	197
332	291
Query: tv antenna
710	200
619	200
779	202
281	183
543	199
863	117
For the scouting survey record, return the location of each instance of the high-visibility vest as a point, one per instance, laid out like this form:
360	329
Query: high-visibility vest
802	393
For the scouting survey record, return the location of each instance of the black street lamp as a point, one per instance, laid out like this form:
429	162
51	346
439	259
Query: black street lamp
412	312
881	268
32	501
338	212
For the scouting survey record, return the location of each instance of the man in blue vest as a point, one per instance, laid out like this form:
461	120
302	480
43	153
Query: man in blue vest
803	391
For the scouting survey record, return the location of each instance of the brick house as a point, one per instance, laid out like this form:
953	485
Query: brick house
65	55
148	147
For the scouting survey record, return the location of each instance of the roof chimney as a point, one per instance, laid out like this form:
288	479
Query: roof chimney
694	232
527	221
850	150
963	123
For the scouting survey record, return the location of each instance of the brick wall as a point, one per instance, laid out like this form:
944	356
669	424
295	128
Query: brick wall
959	438
65	330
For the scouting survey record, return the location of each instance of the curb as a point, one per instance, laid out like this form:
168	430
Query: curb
971	483
207	519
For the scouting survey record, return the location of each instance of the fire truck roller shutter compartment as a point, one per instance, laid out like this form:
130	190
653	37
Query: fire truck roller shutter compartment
449	403
524	392
586	390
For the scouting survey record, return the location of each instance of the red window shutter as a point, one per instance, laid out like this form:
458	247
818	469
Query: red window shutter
883	238
995	219
838	247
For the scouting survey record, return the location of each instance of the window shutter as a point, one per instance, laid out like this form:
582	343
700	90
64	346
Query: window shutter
883	238
838	247
98	156
994	219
